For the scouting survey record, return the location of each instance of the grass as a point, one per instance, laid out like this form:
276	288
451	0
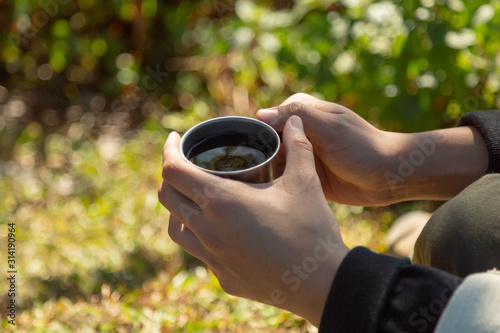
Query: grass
92	248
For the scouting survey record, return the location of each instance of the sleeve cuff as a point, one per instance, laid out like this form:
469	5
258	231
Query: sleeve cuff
363	282
488	124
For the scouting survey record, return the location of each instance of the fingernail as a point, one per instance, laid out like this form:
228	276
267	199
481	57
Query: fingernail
296	122
269	116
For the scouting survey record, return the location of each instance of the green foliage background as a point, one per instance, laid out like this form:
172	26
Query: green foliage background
89	90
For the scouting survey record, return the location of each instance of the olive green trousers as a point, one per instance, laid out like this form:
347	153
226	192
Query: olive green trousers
463	235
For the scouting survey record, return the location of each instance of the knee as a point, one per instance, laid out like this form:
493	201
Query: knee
463	236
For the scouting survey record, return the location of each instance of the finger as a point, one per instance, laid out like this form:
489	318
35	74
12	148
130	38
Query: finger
178	205
298	150
302	98
281	158
269	115
314	102
186	239
184	177
323	177
315	120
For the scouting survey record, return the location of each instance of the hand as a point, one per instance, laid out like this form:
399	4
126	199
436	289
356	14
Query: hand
277	242
359	164
350	153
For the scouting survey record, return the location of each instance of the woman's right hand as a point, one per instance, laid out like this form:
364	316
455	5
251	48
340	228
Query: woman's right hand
359	164
351	154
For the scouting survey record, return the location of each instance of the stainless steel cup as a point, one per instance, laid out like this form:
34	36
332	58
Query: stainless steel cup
265	134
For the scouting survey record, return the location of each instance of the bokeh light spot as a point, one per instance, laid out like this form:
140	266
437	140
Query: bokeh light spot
128	11
61	29
77	21
23	22
97	103
148	8
124	60
45	72
127	76
15	108
57	61
4	94
99	47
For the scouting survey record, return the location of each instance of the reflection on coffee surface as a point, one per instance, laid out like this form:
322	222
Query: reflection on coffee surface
229	152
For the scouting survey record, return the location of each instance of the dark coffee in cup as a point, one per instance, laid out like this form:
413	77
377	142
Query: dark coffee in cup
238	148
229	152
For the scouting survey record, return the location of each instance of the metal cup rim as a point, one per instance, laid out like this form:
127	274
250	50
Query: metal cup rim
231	118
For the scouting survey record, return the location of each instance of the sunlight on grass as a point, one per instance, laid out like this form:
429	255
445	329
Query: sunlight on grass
91	94
93	250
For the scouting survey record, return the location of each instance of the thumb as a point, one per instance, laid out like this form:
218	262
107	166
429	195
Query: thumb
298	150
314	119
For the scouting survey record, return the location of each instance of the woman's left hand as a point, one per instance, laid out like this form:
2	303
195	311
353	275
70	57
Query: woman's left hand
277	243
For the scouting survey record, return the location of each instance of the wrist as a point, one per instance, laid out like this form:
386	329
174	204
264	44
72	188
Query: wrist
435	165
313	299
393	182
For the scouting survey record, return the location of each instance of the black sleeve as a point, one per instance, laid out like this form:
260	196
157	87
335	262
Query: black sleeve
377	293
488	124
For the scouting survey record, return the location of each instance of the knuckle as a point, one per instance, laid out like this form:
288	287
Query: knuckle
169	171
173	232
160	195
166	197
303	144
296	107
